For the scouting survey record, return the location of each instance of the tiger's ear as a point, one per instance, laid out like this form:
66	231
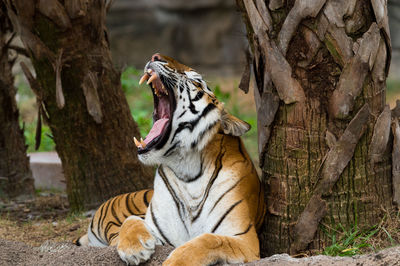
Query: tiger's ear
231	125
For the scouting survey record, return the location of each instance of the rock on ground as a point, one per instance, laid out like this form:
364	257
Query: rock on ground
51	253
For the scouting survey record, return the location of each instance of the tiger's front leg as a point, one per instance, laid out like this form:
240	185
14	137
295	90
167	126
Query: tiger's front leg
208	249
135	243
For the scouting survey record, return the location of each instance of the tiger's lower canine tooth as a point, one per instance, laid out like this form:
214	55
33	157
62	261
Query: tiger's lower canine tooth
143	143
164	89
143	78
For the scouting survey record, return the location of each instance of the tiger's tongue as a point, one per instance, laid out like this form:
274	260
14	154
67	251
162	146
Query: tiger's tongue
156	130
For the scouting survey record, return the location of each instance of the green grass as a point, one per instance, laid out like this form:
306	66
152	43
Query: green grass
350	242
355	241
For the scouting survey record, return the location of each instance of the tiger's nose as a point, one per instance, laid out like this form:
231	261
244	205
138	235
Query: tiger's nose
156	57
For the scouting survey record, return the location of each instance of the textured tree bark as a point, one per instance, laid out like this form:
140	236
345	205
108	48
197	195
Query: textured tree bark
15	175
320	72
80	97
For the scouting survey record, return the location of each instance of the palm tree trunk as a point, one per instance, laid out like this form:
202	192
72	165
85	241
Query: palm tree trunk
15	175
320	72
80	97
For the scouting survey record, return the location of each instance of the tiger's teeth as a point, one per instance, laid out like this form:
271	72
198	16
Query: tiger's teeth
137	143
143	78
143	143
153	77
163	88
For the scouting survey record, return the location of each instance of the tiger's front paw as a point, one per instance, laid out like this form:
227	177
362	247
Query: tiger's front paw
179	258
203	250
185	255
136	244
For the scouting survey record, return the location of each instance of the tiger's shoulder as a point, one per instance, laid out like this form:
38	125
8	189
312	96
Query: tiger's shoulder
237	166
232	151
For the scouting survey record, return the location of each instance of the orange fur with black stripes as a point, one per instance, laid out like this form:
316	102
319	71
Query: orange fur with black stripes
106	223
207	201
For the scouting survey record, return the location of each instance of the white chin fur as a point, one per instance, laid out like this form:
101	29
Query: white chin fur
148	159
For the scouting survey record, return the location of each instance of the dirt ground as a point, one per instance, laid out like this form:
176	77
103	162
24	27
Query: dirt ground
65	253
41	219
40	232
51	253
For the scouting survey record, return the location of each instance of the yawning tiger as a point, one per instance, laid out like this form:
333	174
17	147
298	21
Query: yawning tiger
207	199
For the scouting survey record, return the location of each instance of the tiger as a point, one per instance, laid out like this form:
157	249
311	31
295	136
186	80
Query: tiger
207	202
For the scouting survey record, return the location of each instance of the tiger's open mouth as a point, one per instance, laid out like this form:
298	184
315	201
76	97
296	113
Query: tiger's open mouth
164	107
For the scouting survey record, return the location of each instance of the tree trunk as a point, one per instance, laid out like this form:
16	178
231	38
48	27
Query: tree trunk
320	72
15	175
80	97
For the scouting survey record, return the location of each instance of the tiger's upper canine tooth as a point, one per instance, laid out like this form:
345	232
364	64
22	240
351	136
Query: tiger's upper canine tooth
143	78
153	77
137	143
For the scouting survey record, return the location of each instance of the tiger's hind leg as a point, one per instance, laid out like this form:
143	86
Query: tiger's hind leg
208	249
135	241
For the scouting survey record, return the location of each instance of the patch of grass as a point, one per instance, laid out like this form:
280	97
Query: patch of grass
389	231
350	242
355	241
